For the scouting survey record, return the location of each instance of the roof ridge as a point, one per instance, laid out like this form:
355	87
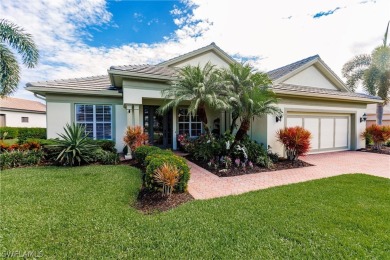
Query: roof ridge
67	79
305	60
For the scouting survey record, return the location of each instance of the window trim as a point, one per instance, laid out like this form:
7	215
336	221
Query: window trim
189	123
94	118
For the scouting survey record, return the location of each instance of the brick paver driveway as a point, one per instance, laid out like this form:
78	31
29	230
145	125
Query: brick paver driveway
205	185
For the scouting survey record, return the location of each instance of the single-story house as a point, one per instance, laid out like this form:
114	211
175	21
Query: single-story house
371	115
311	95
17	112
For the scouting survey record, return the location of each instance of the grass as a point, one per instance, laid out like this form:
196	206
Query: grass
85	212
10	141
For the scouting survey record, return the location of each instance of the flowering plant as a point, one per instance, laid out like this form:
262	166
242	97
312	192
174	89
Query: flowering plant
237	162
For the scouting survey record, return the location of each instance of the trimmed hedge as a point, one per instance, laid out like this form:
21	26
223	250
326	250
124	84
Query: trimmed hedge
106	145
143	151
23	132
157	160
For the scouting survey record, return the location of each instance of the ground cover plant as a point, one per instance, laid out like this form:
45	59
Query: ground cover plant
88	213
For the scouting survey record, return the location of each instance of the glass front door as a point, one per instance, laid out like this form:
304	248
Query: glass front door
158	127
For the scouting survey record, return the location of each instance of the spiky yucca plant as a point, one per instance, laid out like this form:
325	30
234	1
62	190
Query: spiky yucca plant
75	145
168	176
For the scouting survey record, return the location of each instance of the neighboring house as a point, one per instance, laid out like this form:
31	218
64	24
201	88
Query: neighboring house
371	115
17	112
310	94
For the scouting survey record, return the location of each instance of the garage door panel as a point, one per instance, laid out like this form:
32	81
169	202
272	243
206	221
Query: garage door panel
294	121
327	133
312	124
341	132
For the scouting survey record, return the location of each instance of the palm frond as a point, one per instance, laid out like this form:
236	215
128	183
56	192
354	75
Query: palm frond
9	71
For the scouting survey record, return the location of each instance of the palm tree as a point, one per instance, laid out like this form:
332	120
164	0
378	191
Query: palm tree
201	87
249	96
373	71
13	36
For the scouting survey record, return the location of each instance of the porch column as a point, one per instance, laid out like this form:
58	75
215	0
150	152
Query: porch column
130	114
136	115
174	124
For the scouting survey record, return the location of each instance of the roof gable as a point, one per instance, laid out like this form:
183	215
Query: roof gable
18	104
210	53
309	72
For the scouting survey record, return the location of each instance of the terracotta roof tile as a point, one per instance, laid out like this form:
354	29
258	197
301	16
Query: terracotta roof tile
21	104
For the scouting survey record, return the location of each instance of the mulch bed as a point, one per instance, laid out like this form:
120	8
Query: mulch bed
151	202
370	149
282	164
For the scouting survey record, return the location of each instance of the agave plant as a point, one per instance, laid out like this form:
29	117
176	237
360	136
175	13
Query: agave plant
75	145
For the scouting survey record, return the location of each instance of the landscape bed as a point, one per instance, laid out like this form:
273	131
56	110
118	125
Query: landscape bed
282	164
89	212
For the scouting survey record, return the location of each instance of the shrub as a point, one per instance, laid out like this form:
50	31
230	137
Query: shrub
167	175
135	137
296	141
106	145
378	134
17	158
12	132
109	158
154	153
42	142
3	146
75	146
157	161
143	151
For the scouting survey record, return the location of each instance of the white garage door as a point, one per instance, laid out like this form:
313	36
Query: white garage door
329	132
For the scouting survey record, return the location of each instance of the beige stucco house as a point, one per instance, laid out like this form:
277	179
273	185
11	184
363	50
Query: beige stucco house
311	95
18	112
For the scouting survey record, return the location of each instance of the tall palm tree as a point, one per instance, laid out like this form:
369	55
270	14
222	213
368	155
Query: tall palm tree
373	71
249	96
201	87
15	37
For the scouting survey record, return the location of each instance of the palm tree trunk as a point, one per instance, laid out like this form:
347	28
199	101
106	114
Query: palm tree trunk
203	118
244	128
379	113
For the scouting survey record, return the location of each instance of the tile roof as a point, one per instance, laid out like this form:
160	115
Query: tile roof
148	70
9	103
94	83
282	71
313	91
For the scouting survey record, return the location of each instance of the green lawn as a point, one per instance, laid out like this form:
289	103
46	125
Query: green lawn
85	212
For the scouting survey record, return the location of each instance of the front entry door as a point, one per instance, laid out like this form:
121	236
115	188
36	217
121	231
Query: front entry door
158	127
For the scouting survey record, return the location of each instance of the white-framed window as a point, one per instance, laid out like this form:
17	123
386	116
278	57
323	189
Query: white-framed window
190	125
97	120
24	119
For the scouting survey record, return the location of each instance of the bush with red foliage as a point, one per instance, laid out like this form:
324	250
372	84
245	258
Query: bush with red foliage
379	134
3	146
296	141
135	137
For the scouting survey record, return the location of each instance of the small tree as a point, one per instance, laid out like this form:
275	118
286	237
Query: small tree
135	137
378	134
296	141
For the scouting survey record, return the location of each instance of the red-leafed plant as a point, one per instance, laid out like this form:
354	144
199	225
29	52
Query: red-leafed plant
296	141
378	134
135	137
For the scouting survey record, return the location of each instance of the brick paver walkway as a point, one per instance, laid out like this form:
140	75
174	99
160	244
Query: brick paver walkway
205	185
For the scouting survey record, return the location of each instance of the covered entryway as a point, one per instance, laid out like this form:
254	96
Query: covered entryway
330	132
158	127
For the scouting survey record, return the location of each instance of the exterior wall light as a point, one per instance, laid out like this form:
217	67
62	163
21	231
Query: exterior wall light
279	118
363	118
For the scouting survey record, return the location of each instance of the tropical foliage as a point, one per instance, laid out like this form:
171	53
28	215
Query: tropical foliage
15	37
296	141
201	86
135	137
75	146
249	96
167	175
373	71
378	134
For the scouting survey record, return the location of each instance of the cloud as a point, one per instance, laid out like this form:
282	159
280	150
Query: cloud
254	31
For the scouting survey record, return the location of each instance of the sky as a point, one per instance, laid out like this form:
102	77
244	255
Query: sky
84	38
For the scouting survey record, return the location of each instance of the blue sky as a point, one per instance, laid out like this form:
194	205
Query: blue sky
135	21
78	38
